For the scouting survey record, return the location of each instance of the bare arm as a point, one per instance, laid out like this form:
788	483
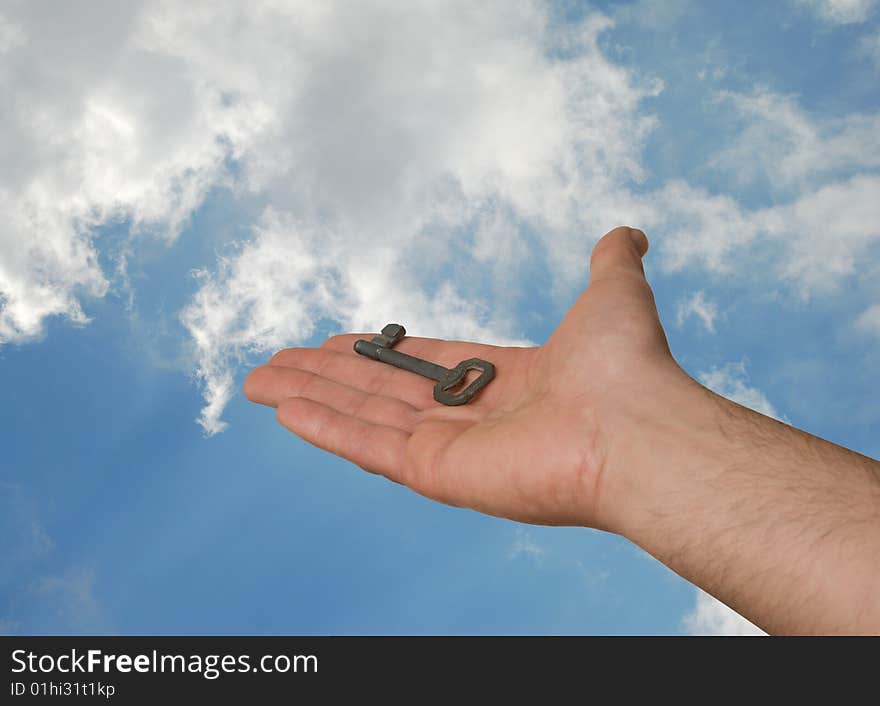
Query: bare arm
601	427
782	526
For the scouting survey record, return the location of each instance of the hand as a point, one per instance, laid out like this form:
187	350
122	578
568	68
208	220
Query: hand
601	427
536	445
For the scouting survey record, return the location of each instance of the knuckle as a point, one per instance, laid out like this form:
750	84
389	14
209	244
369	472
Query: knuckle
306	384
599	251
607	244
333	342
359	404
280	356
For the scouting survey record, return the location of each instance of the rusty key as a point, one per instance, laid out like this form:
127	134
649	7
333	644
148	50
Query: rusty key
381	348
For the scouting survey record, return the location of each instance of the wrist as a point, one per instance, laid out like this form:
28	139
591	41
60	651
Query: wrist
663	442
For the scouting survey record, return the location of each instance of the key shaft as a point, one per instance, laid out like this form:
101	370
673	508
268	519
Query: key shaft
425	368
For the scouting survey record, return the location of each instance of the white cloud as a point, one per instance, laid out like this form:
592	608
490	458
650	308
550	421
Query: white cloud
416	158
72	603
869	47
829	234
840	11
363	154
410	153
12	35
869	321
787	149
824	221
697	305
524	544
823	174
592	575
271	290
694	228
100	128
55	603
26	539
732	381
712	617
376	132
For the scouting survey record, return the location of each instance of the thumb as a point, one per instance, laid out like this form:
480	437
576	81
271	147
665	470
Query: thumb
619	252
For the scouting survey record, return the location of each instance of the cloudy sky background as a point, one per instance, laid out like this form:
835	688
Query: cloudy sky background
188	187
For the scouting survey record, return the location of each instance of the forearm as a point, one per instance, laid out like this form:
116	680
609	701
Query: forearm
780	525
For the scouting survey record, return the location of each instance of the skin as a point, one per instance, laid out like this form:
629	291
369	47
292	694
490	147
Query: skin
600	427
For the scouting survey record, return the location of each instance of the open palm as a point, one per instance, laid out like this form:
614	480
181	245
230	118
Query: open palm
534	445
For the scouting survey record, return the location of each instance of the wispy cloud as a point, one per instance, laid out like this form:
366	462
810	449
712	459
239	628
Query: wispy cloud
732	381
787	150
825	217
69	603
869	321
837	12
34	597
869	47
524	545
379	158
399	183
712	617
25	537
698	306
99	132
593	576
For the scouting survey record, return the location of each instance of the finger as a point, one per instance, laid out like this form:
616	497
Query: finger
359	372
270	385
619	253
374	447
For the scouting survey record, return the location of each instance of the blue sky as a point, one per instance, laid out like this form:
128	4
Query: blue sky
191	190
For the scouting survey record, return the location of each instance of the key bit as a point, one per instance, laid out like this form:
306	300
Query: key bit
381	348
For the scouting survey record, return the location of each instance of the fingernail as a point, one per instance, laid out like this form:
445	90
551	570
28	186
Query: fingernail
640	240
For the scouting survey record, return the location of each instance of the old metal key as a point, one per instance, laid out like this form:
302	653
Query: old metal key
381	348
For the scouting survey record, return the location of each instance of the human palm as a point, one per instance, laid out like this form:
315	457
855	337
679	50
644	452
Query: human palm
535	445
